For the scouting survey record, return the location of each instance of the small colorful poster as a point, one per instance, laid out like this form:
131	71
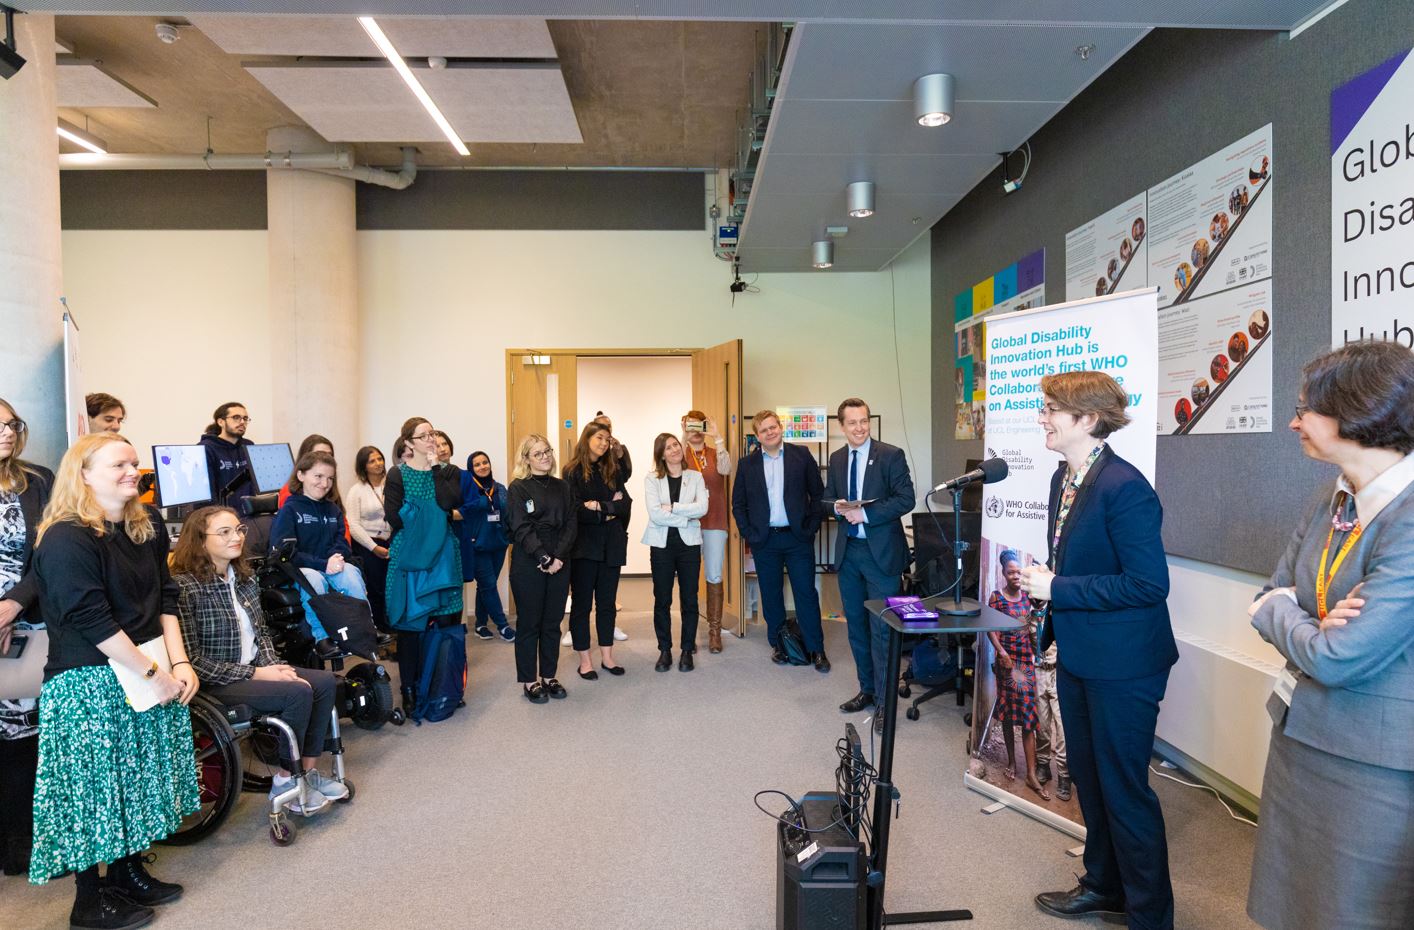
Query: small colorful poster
804	424
1019	286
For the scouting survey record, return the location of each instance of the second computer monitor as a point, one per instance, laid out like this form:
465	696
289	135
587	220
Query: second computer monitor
183	476
270	465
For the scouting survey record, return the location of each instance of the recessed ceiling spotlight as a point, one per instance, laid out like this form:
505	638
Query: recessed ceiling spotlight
859	196
1084	51
822	253
933	99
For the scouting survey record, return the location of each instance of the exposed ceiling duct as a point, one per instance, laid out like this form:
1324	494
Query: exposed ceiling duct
339	163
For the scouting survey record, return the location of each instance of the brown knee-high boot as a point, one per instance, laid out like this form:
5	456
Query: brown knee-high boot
714	617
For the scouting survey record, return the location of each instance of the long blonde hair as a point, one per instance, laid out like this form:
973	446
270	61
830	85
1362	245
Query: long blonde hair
522	462
72	500
14	471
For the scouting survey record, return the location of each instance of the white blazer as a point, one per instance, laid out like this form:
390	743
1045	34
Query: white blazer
686	515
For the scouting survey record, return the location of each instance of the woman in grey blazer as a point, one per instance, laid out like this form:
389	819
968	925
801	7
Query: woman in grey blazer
1335	849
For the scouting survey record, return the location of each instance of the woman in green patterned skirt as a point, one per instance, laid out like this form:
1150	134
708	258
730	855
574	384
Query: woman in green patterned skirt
111	780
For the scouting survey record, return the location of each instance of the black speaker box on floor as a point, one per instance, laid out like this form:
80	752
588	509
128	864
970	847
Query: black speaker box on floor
821	888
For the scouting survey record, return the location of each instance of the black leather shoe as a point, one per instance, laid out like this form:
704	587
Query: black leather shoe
326	650
1043	772
535	693
555	689
822	662
665	661
109	910
778	655
128	878
409	695
685	662
384	640
1080	902
590	675
1063	787
616	670
857	703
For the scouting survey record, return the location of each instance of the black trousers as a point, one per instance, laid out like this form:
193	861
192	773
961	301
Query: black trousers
1109	735
305	709
682	563
19	758
375	578
593	584
540	606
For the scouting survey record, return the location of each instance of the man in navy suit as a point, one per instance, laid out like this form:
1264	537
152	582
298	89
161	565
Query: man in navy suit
776	503
871	551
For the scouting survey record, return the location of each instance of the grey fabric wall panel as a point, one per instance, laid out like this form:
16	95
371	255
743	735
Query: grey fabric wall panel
162	199
538	200
1178	96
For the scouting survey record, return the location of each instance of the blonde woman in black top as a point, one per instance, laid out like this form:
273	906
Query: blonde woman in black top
543	526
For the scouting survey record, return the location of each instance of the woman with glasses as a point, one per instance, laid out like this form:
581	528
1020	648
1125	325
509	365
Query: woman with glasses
229	645
314	525
369	528
111	781
1107	584
424	560
1335	847
541	510
106	413
24	492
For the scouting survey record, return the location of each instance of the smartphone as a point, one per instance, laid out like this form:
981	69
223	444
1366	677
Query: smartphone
18	642
695	426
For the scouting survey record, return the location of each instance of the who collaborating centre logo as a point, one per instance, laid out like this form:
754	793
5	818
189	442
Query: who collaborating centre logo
994	507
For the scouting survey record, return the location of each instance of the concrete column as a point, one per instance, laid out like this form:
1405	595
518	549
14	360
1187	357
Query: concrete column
313	303
31	270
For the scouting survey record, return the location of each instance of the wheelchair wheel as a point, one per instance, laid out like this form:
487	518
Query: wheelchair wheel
369	695
350	796
282	830
218	771
397	718
260	760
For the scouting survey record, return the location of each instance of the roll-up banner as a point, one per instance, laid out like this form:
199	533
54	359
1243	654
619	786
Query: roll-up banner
1016	714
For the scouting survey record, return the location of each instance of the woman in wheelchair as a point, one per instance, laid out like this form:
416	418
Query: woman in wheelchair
315	524
224	629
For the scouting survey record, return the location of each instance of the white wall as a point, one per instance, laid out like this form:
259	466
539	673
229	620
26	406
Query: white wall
643	396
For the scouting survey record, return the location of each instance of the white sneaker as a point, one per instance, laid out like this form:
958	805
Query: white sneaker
310	800
330	788
567	639
619	635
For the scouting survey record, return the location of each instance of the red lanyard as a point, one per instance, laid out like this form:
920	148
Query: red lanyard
1323	580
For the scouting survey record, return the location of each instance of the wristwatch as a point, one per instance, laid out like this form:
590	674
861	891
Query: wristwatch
152	672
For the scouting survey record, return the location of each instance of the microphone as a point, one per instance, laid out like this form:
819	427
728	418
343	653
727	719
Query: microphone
989	471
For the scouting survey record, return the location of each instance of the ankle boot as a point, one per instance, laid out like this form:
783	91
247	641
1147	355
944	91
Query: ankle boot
715	595
129	878
409	694
106	909
17	850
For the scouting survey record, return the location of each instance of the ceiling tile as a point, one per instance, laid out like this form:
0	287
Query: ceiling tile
343	37
83	84
834	127
892	174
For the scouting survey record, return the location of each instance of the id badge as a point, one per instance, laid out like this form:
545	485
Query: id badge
1286	684
530	506
496	517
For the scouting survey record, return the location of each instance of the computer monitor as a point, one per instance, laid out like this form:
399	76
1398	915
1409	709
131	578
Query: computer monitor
270	465
183	476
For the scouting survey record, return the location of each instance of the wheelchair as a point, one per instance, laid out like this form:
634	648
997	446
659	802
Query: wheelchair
237	751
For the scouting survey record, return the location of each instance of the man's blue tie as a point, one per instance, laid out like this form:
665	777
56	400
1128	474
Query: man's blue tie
854	528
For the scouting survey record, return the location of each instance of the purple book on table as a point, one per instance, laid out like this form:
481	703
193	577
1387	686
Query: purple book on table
910	609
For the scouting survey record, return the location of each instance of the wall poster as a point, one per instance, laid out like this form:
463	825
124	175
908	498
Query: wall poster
1019	286
1372	205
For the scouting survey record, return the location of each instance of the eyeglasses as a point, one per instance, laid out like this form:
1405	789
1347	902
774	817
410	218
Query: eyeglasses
226	531
1302	410
422	437
542	454
1051	410
16	426
239	419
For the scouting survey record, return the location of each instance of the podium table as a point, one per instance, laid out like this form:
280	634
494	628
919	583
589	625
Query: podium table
987	621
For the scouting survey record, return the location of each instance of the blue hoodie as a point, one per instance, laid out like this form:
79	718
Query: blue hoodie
227	460
317	528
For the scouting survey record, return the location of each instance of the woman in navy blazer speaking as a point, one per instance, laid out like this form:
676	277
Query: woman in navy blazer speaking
1107	584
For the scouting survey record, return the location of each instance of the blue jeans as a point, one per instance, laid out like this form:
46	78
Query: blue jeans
349	581
784	551
488	597
861	579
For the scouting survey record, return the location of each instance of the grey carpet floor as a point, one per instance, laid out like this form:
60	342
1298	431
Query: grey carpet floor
629	805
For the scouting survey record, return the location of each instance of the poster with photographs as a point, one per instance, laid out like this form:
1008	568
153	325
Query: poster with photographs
1108	254
1019	286
1215	364
1018	742
1372	205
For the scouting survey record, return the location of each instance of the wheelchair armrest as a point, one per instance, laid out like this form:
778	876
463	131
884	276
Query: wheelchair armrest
237	713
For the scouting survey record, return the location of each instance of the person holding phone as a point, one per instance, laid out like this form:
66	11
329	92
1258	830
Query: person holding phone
714	464
111	781
543	524
24	493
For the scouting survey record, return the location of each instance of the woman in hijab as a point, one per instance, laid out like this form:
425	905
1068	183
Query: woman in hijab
483	515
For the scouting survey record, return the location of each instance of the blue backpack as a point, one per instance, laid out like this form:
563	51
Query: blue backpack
442	681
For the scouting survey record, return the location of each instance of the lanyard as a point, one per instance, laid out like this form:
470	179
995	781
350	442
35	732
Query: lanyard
490	492
1323	579
699	460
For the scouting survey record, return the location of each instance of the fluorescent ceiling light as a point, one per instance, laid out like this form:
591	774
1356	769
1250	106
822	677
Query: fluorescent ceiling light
82	138
379	39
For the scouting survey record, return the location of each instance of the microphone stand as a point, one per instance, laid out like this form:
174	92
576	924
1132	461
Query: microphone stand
961	606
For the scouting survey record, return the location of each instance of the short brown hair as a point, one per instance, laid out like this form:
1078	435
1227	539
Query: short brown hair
1082	392
189	555
850	402
98	402
1368	388
763	415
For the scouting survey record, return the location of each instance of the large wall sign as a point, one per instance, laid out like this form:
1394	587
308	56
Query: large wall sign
1018	286
1118	335
1372	205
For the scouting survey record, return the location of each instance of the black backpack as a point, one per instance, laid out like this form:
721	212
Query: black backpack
793	643
348	620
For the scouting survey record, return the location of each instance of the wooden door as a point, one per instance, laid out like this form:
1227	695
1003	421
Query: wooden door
529	376
716	391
